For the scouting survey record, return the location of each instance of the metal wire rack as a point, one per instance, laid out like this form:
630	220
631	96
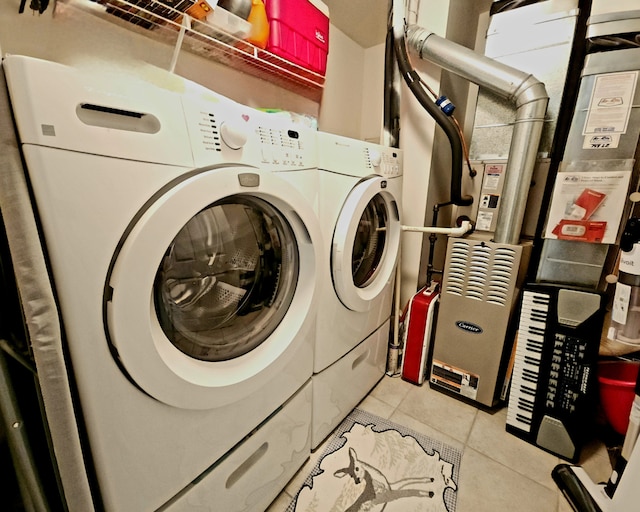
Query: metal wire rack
167	21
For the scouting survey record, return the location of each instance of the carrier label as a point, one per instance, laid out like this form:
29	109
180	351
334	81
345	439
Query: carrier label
469	327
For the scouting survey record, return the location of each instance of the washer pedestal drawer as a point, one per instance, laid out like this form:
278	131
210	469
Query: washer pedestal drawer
341	386
252	475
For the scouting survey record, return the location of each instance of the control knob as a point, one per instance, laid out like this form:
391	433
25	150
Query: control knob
233	135
375	157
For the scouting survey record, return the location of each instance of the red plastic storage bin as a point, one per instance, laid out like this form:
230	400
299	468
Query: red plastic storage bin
617	381
299	32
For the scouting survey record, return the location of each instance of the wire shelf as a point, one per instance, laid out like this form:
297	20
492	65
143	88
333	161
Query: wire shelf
166	21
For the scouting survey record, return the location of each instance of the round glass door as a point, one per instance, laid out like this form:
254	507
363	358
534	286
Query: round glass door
211	290
365	243
369	243
227	279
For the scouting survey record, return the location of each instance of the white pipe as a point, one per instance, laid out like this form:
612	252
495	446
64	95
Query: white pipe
465	227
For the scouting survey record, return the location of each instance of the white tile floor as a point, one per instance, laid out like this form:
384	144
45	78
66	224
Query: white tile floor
499	472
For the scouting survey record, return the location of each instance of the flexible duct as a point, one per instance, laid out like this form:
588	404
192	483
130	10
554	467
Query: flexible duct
524	90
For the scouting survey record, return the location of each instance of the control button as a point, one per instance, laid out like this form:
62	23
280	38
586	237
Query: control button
266	155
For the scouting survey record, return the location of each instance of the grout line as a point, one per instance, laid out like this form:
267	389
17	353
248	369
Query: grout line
473	423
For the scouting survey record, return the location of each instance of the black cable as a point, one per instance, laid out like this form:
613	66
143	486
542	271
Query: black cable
391	99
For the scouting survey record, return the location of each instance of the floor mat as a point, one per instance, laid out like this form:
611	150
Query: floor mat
372	464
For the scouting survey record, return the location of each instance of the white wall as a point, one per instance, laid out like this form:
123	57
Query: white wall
352	104
342	99
373	94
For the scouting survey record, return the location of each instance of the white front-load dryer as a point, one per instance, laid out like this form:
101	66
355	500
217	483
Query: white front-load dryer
359	213
186	271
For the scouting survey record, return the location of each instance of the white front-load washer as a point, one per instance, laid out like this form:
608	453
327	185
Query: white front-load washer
186	271
359	213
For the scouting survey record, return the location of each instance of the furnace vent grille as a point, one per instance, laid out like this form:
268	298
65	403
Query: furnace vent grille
477	270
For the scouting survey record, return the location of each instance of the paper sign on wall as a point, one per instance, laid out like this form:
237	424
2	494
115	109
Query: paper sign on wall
587	206
611	102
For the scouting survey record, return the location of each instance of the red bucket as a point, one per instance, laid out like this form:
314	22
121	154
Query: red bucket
617	389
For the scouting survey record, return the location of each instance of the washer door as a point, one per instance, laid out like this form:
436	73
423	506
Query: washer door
210	291
365	244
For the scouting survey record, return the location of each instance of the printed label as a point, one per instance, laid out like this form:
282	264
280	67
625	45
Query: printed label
611	102
483	222
621	303
455	379
492	175
601	141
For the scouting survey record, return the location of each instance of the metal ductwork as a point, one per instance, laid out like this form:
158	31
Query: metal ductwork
530	99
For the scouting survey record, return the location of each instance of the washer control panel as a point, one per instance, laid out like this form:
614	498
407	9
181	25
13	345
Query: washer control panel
224	131
283	146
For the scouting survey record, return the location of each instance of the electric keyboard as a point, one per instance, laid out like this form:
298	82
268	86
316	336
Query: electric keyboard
553	382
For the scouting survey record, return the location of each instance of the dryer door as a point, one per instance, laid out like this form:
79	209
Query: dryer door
365	243
211	290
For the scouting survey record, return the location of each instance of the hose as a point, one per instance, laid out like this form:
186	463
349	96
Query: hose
413	82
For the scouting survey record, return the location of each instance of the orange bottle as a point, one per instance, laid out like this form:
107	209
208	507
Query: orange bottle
259	34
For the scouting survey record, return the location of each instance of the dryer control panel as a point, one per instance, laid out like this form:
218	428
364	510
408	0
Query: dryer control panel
390	163
353	157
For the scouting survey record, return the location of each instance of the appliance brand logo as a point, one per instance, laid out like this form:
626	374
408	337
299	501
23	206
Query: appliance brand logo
320	36
469	327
